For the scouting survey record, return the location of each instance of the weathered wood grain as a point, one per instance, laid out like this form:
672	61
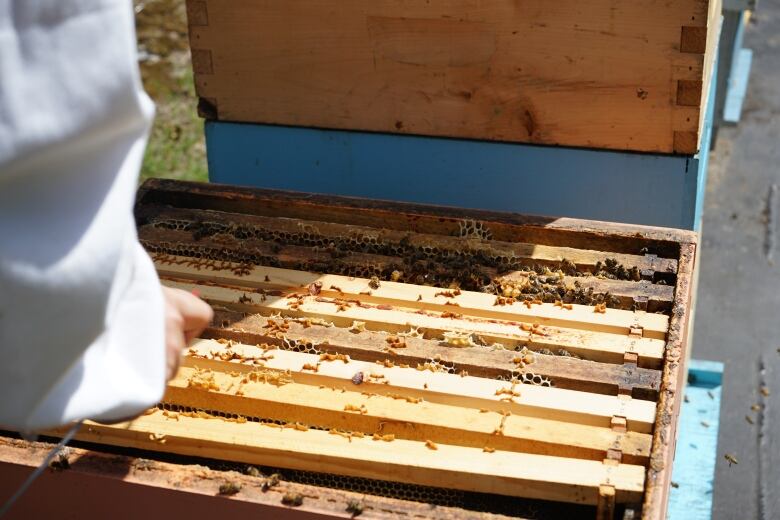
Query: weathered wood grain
601	76
561	371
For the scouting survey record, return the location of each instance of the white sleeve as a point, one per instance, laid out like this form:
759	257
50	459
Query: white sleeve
81	309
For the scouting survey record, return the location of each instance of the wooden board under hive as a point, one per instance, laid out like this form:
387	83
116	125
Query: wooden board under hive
483	363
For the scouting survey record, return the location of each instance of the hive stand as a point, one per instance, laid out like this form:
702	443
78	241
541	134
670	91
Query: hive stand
735	61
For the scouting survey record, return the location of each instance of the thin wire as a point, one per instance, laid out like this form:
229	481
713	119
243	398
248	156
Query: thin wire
35	474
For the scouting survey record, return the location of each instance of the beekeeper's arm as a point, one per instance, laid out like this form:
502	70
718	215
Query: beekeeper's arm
82	314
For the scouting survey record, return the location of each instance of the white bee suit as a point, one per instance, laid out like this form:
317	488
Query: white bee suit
81	309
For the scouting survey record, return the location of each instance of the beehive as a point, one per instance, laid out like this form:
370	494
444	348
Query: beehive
614	74
377	355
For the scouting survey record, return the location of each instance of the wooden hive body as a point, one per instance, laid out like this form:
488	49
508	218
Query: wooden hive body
554	391
614	74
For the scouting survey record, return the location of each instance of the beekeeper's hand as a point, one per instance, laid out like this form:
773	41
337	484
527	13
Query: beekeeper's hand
186	316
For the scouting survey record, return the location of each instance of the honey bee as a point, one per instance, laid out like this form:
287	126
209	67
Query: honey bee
357	327
764	391
396	275
297	426
326	356
408	399
244	299
292	499
731	458
157	437
271	481
229	488
508	391
336	288
396	342
354	507
374	283
334	431
266	279
353	408
749	419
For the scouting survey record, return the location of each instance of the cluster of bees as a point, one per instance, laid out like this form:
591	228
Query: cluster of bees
203	380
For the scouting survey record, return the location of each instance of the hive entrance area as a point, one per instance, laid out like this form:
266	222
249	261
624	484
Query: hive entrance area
469	352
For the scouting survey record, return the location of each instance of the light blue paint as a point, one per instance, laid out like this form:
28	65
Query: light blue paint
697	443
661	190
738	61
738	83
703	157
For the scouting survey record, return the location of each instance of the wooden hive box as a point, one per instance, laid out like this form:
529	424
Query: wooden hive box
614	74
382	355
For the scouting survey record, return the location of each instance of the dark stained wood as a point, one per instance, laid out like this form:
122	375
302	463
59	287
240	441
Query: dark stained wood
529	254
180	486
659	473
260	252
510	227
561	371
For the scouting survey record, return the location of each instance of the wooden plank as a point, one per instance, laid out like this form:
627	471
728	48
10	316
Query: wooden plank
191	490
259	252
313	232
659	473
455	467
521	72
329	408
410	296
561	371
714	13
405	216
596	346
434	386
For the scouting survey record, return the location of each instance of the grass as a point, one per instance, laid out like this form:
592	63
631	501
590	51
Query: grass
176	148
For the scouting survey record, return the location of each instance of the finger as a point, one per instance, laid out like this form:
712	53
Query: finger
196	313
